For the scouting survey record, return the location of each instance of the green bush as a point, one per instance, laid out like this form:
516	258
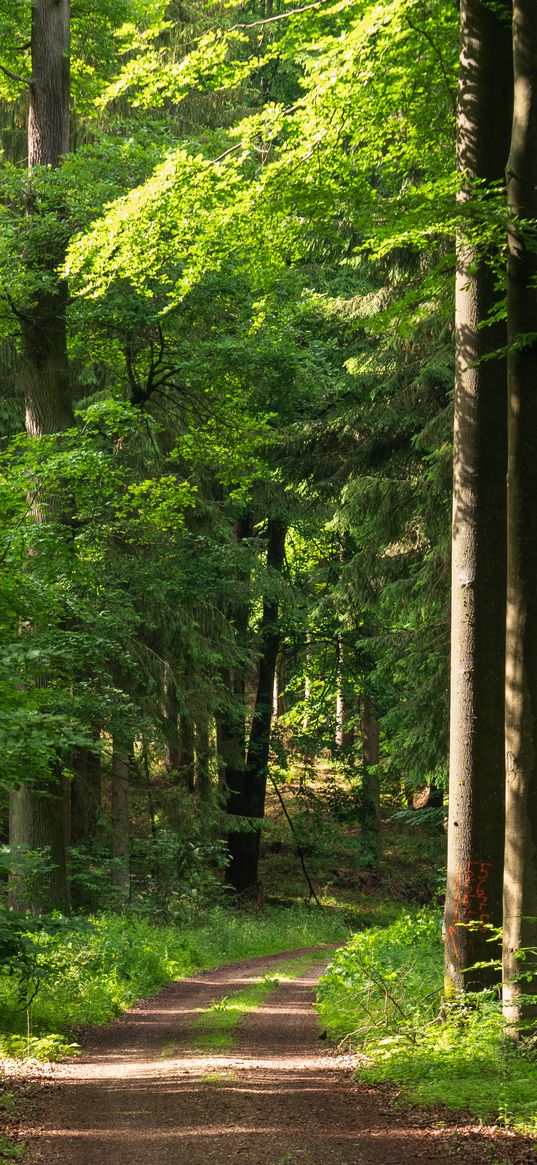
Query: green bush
382	994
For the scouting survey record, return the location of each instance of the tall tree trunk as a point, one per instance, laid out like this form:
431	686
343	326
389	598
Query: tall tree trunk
44	365
37	817
520	886
244	846
370	809
232	726
121	754
476	807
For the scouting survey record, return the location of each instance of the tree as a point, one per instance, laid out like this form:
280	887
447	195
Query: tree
476	814
249	799
520	883
37	819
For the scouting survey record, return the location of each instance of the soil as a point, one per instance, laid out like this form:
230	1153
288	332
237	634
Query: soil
141	1095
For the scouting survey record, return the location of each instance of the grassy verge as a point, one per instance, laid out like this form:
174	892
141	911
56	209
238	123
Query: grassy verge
382	992
89	976
215	1029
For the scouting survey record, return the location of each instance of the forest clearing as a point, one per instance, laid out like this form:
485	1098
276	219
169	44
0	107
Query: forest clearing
268	581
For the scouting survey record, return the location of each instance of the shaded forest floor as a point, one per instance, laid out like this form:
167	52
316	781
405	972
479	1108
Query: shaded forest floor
154	1086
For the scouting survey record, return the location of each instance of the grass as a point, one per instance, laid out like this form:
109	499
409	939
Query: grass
90	975
10	1150
382	994
215	1029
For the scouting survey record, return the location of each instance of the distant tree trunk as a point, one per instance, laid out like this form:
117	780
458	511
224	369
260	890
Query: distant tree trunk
244	846
85	811
37	821
276	695
232	720
220	745
520	885
85	796
370	813
344	697
121	755
203	759
171	727
186	754
37	817
476	806
307	698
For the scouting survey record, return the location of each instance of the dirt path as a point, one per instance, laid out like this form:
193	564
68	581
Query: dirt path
141	1096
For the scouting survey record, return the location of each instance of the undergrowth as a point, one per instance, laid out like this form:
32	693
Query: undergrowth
88	975
381	995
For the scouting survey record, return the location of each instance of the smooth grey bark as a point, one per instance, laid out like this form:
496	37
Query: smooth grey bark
476	807
520	879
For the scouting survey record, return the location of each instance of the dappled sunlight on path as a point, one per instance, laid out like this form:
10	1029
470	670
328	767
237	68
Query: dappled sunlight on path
141	1096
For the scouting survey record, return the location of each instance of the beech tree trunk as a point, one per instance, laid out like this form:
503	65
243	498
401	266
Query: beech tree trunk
242	871
476	807
520	882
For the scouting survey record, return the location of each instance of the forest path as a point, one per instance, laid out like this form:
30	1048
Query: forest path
141	1095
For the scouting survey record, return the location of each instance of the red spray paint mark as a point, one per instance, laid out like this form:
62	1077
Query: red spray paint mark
470	902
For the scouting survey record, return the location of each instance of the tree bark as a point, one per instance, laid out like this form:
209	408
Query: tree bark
186	753
476	813
344	734
37	816
232	720
203	759
120	816
37	822
172	752
85	796
370	809
520	880
242	872
44	360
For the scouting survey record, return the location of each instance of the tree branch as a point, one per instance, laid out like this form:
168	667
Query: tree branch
279	16
15	76
297	843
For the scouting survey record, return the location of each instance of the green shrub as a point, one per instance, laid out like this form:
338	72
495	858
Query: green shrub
382	994
89	972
